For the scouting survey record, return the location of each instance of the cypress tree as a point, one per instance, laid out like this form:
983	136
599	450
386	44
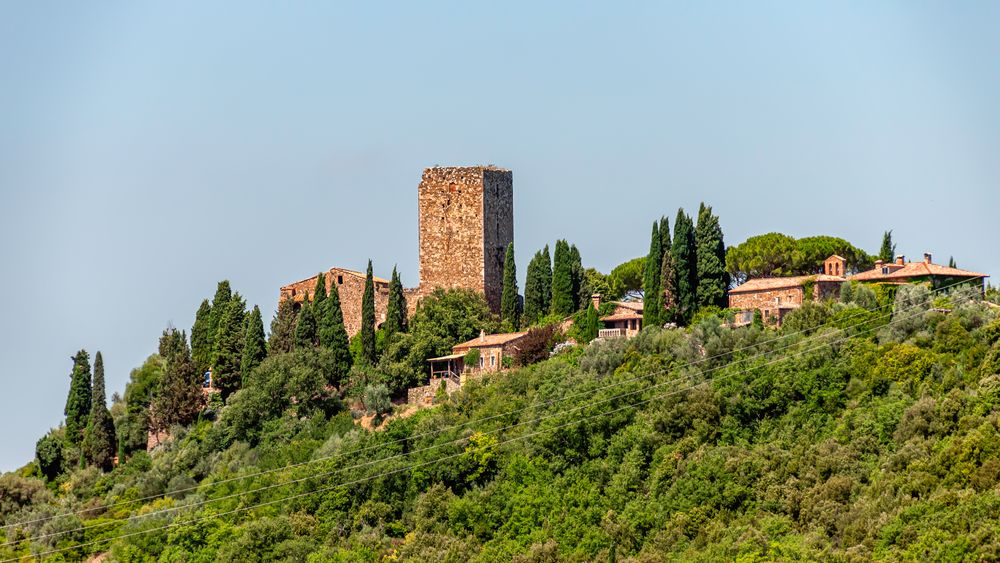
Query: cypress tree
254	345
509	312
368	318
562	281
951	262
99	443
283	328
534	304
319	294
888	251
201	337
333	335
545	269
395	314
179	399
229	337
651	286
223	295
306	327
668	288
713	280
591	324
79	400
576	275
685	267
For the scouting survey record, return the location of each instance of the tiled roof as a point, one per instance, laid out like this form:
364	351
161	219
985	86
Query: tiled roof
764	284
490	340
915	270
622	316
634	305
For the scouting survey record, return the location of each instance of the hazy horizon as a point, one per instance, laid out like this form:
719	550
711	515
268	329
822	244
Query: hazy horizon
147	152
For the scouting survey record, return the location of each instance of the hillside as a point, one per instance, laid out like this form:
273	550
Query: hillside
857	431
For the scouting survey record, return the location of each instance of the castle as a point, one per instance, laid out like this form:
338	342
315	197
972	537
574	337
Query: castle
466	221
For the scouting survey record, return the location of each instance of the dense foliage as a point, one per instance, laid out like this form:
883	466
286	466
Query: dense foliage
776	254
510	307
850	434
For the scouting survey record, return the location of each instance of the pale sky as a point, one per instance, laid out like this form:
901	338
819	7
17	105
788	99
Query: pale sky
148	151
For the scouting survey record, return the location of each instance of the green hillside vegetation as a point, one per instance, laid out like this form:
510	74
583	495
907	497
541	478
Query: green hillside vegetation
858	431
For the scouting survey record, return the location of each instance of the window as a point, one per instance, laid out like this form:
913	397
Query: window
340	280
493	360
481	360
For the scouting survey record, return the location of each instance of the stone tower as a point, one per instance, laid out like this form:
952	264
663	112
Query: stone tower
466	222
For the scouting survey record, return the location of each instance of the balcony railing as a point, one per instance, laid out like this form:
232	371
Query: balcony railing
611	333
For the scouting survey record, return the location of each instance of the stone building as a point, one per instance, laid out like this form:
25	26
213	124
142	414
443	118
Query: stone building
901	271
466	221
493	348
350	286
776	297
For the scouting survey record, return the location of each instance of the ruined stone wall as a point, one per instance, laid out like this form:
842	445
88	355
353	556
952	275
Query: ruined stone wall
351	289
498	230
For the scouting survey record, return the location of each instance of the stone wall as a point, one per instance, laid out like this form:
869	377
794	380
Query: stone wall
425	394
765	299
466	222
351	289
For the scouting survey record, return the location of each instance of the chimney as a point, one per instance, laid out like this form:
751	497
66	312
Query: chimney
482	336
927	257
878	264
901	260
595	299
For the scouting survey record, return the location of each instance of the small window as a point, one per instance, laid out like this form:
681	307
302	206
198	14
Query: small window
481	360
293	292
340	280
493	361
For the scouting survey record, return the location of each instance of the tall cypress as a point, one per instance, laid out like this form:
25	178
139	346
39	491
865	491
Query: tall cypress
201	337
223	295
368	318
651	286
668	288
545	270
226	375
576	275
333	335
179	399
395	314
282	338
306	329
534	304
685	267
319	294
99	443
562	280
888	251
509	312
79	400
713	280
254	345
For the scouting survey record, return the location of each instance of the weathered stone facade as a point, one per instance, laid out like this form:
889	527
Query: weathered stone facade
466	222
350	286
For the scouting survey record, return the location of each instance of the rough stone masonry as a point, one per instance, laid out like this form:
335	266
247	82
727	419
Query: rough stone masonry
466	221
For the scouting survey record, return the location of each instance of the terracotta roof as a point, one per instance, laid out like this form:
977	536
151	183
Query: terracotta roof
634	305
764	284
915	270
622	316
490	340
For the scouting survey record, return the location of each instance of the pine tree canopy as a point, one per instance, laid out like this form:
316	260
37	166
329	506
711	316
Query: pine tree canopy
100	441
509	309
254	344
80	398
713	279
368	318
651	286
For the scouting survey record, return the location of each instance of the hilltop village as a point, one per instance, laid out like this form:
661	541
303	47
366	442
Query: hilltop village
374	419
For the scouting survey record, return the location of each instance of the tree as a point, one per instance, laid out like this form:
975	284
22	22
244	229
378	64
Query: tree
652	307
588	324
180	399
951	262
333	334
377	400
79	400
395	314
668	283
581	293
254	345
713	280
685	268
223	295
546	277
49	453
887	253
306	327
133	428
201	337
100	442
509	310
771	254
626	279
562	281
226	375
368	318
533	301
283	325
319	293
812	252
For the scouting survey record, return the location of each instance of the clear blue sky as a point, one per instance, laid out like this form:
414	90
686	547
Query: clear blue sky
148	151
